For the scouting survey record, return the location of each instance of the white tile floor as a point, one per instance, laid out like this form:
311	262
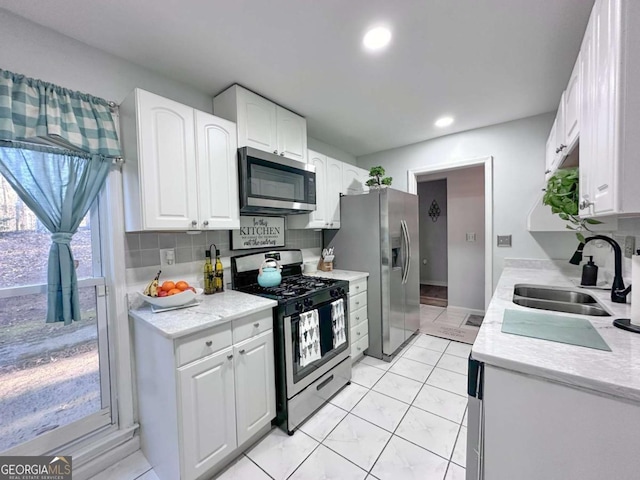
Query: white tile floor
400	420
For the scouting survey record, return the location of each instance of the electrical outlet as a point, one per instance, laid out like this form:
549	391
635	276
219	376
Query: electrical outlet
629	246
504	240
471	237
167	256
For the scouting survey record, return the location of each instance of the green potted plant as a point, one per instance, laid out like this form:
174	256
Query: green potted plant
377	180
562	194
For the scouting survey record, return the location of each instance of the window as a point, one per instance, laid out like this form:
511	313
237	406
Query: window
54	379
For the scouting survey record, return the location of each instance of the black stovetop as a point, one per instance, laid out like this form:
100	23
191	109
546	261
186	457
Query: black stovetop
292	287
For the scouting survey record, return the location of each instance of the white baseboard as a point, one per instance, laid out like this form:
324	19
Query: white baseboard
436	283
470	311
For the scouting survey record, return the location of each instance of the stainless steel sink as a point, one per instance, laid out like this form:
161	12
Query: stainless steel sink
555	294
557	300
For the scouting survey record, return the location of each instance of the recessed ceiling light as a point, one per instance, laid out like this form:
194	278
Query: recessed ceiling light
376	38
444	122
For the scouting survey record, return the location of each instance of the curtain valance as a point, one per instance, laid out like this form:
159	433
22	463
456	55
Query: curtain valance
33	110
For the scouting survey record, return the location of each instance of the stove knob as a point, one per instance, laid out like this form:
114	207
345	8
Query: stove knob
299	306
341	291
308	302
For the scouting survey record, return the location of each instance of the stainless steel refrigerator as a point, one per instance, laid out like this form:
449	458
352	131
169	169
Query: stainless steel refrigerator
379	235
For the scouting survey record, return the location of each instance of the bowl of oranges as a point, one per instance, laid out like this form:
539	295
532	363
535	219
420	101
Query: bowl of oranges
170	294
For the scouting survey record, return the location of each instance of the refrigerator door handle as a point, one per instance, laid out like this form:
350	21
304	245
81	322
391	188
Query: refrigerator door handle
406	229
405	252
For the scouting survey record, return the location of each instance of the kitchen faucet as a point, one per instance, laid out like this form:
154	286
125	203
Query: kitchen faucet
618	292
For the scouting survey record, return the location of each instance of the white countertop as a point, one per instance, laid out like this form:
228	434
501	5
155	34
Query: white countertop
213	310
615	373
348	275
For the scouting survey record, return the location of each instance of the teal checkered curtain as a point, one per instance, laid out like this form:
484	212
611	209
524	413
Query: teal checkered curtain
32	110
58	184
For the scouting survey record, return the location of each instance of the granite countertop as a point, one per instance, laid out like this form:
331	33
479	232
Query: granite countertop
348	275
213	310
615	373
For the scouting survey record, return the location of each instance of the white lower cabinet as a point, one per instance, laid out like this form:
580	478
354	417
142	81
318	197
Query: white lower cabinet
358	318
204	397
208	412
255	381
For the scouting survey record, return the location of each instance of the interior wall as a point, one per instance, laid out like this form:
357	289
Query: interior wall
331	151
433	235
36	51
518	151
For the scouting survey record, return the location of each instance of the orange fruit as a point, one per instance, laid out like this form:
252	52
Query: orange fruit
174	291
168	285
182	285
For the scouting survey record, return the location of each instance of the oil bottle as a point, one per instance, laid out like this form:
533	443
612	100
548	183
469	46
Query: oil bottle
209	274
218	279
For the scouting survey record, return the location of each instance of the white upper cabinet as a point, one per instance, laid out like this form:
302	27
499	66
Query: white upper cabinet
292	135
262	124
217	172
551	151
179	171
572	107
353	179
609	125
329	182
333	189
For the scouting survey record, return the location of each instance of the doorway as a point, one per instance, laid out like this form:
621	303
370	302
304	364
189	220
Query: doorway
455	246
432	195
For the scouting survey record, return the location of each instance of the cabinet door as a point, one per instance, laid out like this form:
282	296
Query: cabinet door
207	412
167	163
292	135
255	385
217	172
572	107
351	180
333	189
605	157
561	143
587	99
550	154
319	218
256	122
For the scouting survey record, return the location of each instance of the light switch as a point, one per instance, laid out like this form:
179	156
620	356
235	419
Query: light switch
629	246
504	240
471	237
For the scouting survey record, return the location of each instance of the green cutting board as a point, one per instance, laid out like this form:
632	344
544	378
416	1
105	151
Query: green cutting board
556	328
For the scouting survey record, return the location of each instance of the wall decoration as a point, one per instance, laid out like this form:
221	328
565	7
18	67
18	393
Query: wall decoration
258	232
434	211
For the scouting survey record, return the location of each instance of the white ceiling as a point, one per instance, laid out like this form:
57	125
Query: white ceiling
481	61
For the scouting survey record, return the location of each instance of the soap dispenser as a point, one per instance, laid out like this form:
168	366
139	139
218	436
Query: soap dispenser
589	273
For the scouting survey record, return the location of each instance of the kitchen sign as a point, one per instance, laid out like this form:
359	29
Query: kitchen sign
258	232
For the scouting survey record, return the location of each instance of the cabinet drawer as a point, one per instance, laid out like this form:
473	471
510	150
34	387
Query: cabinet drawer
360	346
357	301
252	325
201	344
359	332
356	317
358	286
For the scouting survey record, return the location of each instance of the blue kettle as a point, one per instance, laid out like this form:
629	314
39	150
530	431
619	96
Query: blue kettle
269	273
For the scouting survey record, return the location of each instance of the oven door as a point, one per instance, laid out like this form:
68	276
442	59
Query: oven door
273	184
298	377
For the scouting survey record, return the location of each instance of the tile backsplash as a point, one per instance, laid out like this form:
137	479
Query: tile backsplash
143	249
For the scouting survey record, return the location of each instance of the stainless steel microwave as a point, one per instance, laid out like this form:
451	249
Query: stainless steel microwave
274	185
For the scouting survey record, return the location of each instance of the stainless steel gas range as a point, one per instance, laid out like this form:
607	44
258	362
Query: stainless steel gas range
308	308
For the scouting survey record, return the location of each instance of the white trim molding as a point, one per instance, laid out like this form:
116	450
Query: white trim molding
487	162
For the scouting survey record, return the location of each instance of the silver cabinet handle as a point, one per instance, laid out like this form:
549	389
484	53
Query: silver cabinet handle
205	223
357	287
547	171
562	146
331	224
357	318
194	223
208	343
229	357
242	351
282	154
257	324
275	151
359	349
358	333
357	303
584	204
